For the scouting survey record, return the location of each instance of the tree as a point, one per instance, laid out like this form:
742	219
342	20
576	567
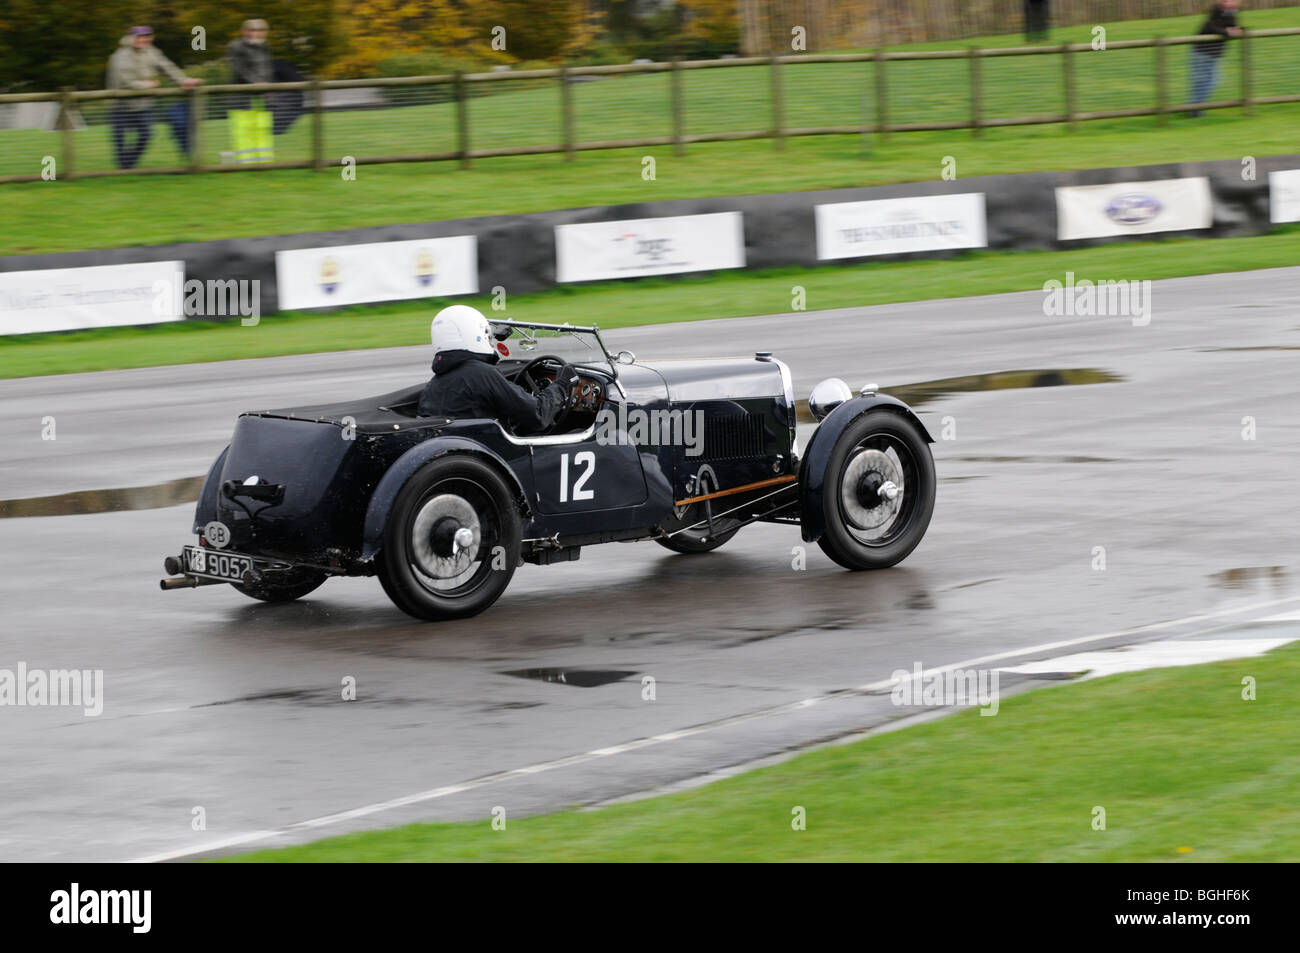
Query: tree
42	48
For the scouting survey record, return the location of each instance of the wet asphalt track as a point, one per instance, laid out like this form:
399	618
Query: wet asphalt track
212	700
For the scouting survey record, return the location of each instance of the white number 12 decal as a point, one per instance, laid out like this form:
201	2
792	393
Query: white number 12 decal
587	458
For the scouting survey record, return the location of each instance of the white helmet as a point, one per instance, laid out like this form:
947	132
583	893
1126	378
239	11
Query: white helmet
461	328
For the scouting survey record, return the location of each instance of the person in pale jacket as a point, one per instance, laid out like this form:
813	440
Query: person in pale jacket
136	64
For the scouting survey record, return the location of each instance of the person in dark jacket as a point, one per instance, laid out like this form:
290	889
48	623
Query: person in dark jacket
1035	20
1221	22
466	385
250	56
250	60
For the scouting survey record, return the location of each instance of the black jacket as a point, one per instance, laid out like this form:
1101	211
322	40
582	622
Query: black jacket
250	62
466	385
1217	22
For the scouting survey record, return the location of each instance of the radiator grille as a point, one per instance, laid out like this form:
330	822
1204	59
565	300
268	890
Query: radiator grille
733	436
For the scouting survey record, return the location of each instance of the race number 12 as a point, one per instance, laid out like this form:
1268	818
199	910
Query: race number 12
585	459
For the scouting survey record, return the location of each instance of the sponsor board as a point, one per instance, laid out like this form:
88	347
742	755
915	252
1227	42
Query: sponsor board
378	271
97	296
1133	208
649	246
894	226
1284	196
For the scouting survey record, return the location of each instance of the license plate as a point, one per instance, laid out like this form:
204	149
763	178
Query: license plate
215	564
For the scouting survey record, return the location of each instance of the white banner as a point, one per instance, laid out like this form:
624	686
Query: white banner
379	271
892	226
1284	196
649	246
1133	208
98	296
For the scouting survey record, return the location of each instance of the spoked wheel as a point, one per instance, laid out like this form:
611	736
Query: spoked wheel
452	540
698	539
878	492
284	586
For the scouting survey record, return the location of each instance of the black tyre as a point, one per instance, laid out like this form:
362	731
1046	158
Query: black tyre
283	587
452	540
878	492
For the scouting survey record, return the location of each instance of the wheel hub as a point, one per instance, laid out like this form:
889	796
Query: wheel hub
445	537
871	490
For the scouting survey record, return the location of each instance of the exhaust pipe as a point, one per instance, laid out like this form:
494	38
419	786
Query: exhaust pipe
187	582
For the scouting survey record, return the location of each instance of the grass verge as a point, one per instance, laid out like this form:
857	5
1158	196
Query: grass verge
152	210
1183	766
647	301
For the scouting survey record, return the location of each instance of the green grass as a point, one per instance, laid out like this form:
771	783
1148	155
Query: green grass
157	210
1184	768
646	301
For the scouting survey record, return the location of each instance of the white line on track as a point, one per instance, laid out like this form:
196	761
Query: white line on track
433	794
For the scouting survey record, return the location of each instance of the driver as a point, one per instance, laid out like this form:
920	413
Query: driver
464	383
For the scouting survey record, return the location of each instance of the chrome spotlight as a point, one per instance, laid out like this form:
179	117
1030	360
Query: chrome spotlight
828	395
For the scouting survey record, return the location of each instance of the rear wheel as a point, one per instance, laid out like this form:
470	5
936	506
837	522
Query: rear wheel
283	587
452	540
878	492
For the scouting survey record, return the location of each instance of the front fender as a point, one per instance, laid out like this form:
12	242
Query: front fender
391	483
812	469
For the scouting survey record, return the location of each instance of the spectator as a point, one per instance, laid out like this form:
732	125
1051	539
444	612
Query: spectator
250	56
1222	22
135	65
1035	20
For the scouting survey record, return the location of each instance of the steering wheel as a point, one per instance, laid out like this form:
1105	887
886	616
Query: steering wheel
531	384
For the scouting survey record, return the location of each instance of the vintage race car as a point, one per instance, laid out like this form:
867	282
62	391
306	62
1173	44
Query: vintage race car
682	452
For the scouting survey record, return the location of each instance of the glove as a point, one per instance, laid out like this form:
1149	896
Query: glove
567	377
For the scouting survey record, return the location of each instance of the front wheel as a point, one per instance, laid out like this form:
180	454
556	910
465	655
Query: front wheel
452	540
878	492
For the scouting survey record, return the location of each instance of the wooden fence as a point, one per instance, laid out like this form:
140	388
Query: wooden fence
465	86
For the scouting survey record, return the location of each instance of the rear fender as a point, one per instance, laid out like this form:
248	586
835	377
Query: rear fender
812	469
206	509
381	501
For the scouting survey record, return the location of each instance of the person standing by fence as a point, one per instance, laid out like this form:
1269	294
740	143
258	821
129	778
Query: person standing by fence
1222	22
135	65
1035	20
250	57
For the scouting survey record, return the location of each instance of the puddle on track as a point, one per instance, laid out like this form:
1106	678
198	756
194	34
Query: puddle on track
922	393
186	490
171	493
575	677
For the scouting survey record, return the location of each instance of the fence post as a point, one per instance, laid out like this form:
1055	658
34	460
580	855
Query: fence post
778	110
462	120
679	108
882	96
974	55
1246	91
195	124
1162	91
1068	72
69	144
317	125
566	113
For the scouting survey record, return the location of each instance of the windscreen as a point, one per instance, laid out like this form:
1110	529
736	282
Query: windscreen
574	345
